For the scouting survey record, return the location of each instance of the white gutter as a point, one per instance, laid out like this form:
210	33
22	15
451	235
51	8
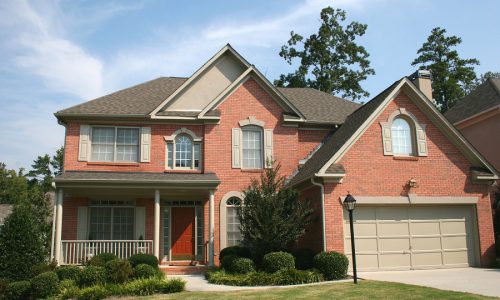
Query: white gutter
322	210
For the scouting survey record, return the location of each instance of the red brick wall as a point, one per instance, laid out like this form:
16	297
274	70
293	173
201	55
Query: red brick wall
308	140
445	172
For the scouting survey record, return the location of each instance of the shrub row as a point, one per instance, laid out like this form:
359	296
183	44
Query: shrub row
282	277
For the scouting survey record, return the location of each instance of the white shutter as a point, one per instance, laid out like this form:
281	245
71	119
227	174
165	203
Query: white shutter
421	140
140	222
268	147
386	138
236	148
145	144
84	146
81	227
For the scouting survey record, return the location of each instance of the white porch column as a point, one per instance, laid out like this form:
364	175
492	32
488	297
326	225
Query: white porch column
211	215
52	240
156	237
58	220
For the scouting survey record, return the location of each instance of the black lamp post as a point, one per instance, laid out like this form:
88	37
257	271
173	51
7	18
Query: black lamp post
350	203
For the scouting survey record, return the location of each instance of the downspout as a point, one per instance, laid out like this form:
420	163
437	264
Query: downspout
322	188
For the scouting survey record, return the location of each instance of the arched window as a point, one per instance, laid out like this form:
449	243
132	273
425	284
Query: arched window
252	147
183	152
233	222
402	140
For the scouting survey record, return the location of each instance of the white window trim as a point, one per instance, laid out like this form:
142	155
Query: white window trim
223	215
196	140
262	146
114	149
415	127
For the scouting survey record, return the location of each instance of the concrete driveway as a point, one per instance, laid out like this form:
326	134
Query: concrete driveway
472	280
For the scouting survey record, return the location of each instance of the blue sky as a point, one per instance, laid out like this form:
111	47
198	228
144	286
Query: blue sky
55	54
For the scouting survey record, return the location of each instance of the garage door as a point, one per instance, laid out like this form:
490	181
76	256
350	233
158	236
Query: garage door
411	237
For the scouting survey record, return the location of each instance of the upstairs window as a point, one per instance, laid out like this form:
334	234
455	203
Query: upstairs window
115	144
183	151
402	140
252	147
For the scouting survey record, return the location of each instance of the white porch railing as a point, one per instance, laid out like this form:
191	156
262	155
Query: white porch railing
78	252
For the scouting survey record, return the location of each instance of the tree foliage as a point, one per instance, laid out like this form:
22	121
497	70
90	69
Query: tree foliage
272	217
44	168
330	60
452	76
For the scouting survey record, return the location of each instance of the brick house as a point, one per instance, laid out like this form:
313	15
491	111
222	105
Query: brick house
158	168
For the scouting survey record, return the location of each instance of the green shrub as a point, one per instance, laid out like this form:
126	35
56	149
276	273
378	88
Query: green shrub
147	259
144	271
275	261
45	285
293	276
332	265
95	292
258	279
21	244
235	250
92	275
3	286
303	259
100	260
119	270
68	289
227	262
143	287
222	277
242	265
69	272
18	290
43	267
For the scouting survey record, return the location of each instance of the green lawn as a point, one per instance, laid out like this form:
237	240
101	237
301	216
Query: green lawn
364	290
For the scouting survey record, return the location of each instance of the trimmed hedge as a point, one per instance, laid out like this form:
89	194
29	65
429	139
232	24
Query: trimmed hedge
95	292
119	270
304	259
45	285
332	265
283	277
275	261
144	287
18	290
242	265
144	271
147	259
293	276
235	250
100	260
92	275
68	272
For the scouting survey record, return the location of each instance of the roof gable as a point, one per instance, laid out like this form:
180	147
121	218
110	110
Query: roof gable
357	123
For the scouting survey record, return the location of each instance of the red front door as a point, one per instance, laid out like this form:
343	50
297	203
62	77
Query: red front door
183	233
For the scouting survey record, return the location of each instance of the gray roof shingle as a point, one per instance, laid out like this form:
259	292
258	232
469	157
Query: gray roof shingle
487	95
339	138
86	176
318	106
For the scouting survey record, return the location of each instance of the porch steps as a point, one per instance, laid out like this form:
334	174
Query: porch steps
184	270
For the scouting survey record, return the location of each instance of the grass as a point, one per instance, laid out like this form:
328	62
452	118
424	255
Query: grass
364	290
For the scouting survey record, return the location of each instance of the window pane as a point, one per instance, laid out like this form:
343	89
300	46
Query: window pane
100	223
197	155
103	143
401	137
127	144
183	152
170	155
252	148
233	226
123	223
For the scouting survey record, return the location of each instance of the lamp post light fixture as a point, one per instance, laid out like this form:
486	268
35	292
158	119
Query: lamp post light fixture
349	204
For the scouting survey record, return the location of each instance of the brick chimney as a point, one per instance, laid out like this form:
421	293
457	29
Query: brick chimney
423	80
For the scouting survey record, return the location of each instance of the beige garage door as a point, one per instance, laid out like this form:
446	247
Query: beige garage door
411	237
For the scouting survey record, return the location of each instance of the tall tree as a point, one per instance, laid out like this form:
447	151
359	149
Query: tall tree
44	168
330	60
272	217
452	76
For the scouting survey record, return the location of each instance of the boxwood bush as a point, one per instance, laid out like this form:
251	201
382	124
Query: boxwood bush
242	265
119	270
18	290
45	285
68	289
92	275
43	267
235	250
227	262
144	271
293	276
303	259
332	265
100	260
275	261
69	272
141	258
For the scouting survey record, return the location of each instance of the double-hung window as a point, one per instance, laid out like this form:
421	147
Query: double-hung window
252	147
111	222
115	144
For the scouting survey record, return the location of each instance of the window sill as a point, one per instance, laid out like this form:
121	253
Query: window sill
129	164
182	171
410	158
252	170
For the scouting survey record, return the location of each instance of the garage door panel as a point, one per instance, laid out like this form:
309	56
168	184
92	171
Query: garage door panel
363	244
394	260
361	215
426	259
455	257
363	229
423	228
425	243
393	229
453	227
391	213
393	244
424	213
454	242
365	262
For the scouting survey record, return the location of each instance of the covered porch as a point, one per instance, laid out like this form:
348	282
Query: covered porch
168	215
